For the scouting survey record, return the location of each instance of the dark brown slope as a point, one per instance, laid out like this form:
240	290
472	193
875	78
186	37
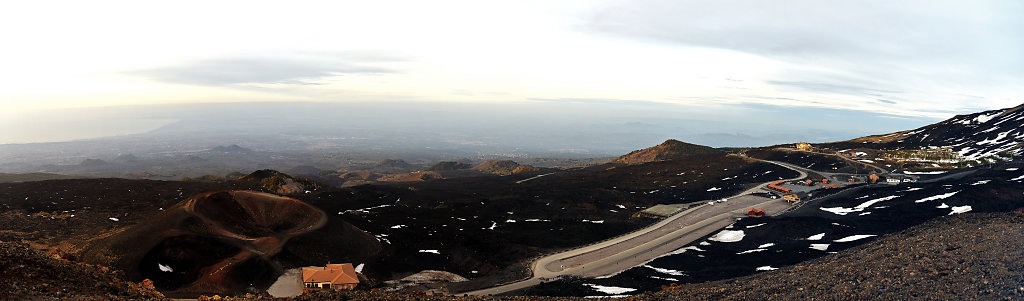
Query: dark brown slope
669	150
221	242
279	182
26	274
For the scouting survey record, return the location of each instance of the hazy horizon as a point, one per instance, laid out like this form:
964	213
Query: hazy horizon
589	122
912	59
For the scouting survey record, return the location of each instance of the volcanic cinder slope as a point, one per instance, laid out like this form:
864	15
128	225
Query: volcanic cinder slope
973	136
215	242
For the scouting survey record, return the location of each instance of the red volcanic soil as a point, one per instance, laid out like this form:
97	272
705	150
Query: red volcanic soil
216	242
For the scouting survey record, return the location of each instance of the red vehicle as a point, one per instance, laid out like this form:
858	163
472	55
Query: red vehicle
756	212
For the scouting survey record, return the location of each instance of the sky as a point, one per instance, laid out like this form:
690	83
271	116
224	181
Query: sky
897	59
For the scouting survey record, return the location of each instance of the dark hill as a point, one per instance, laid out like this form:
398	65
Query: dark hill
504	167
234	149
972	136
393	163
279	182
449	165
669	150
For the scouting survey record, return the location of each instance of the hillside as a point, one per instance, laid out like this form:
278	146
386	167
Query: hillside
669	150
28	274
223	242
449	165
28	177
279	182
504	167
972	136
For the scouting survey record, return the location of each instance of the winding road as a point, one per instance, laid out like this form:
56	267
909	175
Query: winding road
638	247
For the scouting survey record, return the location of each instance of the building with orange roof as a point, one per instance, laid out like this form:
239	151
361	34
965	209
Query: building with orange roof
332	276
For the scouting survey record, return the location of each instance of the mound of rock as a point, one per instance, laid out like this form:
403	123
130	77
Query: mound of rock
504	167
279	182
426	280
669	150
449	165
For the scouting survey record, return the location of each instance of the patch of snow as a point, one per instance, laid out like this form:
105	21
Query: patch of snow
755	226
937	197
431	251
510	221
367	209
864	213
665	271
611	290
986	118
664	278
924	172
982	182
493	225
912	189
682	250
1011	169
766	245
114	219
164	268
359	268
819	247
750	251
818	236
714	189
1017	178
621	206
766	268
854	237
866	161
704	243
858	208
960	209
537	220
943	206
728	236
399	226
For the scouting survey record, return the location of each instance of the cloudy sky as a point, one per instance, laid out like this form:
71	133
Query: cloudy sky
914	59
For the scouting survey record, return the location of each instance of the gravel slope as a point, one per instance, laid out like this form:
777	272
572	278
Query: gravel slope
961	257
27	274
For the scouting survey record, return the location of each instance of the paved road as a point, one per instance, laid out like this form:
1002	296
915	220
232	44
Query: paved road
638	247
836	154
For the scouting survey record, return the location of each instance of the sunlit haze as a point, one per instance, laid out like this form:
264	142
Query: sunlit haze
911	59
